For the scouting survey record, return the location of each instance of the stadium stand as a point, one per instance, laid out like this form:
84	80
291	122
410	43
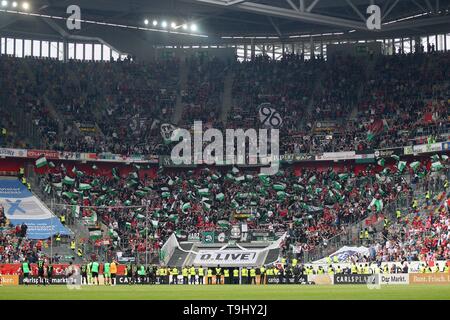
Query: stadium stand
364	144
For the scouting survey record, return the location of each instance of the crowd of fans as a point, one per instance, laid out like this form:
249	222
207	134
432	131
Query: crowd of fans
142	210
332	105
339	104
420	234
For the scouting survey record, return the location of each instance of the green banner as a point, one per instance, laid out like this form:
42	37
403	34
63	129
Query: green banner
209	237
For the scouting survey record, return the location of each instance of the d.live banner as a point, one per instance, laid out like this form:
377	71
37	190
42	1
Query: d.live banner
226	258
22	207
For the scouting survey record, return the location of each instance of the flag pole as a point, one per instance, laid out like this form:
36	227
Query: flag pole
146	235
51	240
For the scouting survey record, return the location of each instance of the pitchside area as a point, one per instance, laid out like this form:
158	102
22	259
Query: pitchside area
286	292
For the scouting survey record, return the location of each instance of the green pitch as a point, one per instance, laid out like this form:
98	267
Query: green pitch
165	292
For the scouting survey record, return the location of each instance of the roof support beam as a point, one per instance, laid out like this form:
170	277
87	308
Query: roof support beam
274	26
312	5
233	2
291	14
302	5
292	5
389	10
430	7
350	3
417	23
419	6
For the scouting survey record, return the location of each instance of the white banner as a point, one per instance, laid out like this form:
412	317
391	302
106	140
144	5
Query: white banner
425	148
394	278
14	153
332	156
226	258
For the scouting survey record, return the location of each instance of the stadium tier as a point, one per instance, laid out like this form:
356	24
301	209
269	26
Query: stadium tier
210	149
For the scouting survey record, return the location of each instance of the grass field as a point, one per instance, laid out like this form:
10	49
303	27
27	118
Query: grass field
272	292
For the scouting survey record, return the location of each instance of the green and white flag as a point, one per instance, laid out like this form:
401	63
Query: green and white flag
337	185
84	186
203	192
239	179
378	203
343	176
41	162
281	194
186	206
51	164
140	193
76	211
48	188
134	175
115	173
415	165
70	195
381	162
401	165
436	166
435	158
95	234
396	157
132	183
68	180
444	157
165	195
220	197
206	205
312	180
279	187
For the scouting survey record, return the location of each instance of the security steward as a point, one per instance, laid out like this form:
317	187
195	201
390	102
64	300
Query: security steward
226	276
252	275
174	274
201	275
262	275
185	273
244	275
218	275
236	276
210	275
192	274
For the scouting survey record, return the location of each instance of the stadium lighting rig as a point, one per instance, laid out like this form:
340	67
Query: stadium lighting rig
173	25
14	5
24	8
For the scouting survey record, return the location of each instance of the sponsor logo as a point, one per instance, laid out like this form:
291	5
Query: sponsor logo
353	278
46	153
394	278
225	257
287	280
430	278
9	280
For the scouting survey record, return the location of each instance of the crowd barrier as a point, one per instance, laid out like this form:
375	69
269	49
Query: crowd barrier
324	279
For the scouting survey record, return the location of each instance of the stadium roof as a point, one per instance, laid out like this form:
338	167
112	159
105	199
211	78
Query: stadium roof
221	19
